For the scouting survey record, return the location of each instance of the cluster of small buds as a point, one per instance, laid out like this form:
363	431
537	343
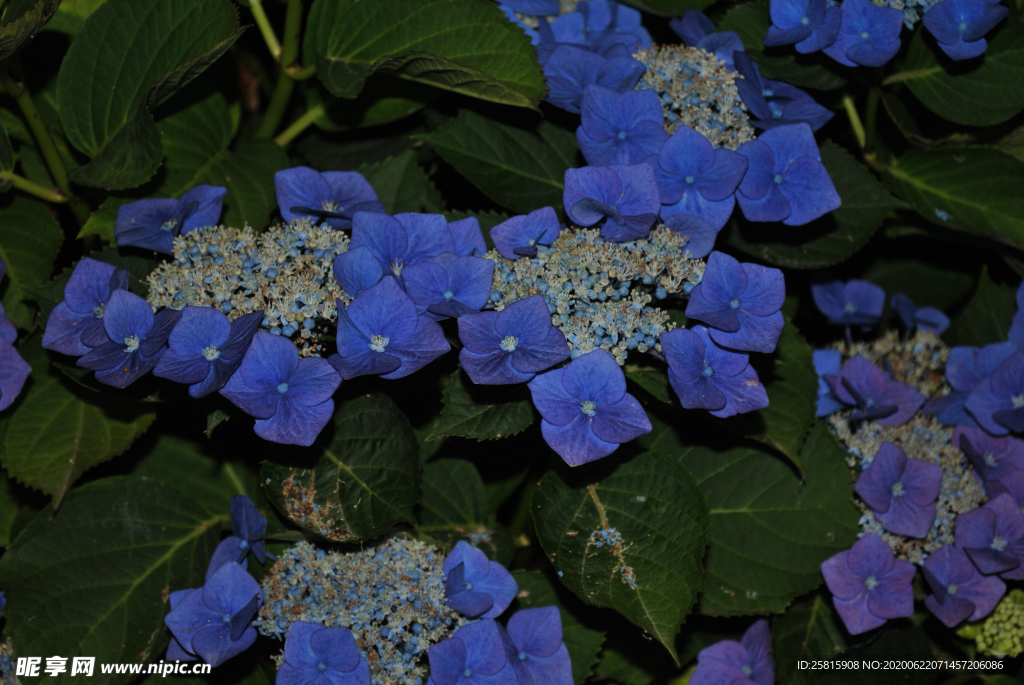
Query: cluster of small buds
7	662
1002	633
697	90
391	596
286	272
599	292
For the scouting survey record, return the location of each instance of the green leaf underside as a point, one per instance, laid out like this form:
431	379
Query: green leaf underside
402	185
653	381
131	54
986	319
6	155
654	504
30	239
363	481
517	168
94	579
17	30
481	412
927	285
461	45
808	630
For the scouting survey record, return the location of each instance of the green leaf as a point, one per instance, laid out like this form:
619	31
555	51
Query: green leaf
536	590
6	158
975	92
93	580
21	21
834	237
384	99
481	412
986	319
71	15
363	481
9	509
926	284
809	630
652	573
751	22
106	87
402	185
59	431
517	168
1013	144
101	222
673	8
214	419
465	46
976	189
30	239
653	381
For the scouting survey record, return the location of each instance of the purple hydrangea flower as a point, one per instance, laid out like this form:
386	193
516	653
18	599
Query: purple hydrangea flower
960	592
620	128
700	235
959	26
997	402
854	303
474	585
75	325
570	69
214	622
247	524
474	655
606	17
1011	484
876	397
510	346
786	180
533	644
827	363
449	286
204	349
869	35
626	196
290	397
869	585
520	235
13	372
135	340
695	178
468	238
730	663
993	458
697	31
924	318
536	8
381	333
585	409
315	655
740	303
774	103
811	24
154	223
331	196
993	537
705	376
966	367
901	491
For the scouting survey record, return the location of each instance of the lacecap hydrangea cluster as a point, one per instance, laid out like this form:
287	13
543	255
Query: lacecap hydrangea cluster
939	489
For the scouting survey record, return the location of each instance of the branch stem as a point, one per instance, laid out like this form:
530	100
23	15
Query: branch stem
285	84
300	125
855	123
269	37
33	188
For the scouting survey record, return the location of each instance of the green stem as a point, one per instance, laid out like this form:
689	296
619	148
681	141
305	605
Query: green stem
855	124
871	116
256	7
301	74
32	188
283	90
300	125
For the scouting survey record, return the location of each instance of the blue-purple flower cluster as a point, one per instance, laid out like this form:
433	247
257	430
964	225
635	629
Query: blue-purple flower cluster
13	369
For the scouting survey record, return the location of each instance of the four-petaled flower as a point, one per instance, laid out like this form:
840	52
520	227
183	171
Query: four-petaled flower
774	103
992	457
697	31
474	655
570	69
869	35
510	346
449	286
520	235
993	537
620	128
997	402
332	196
625	195
315	655
290	397
901	491
75	325
247	524
959	26
468	238
585	409
854	303
474	585
154	223
960	592
811	24
533	643
876	397
924	318
738	663
869	585
966	367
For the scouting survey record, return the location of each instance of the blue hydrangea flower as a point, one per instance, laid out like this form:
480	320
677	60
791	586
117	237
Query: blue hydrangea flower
75	325
290	397
520	235
997	402
474	585
728	662
585	409
535	8
869	35
811	24
966	367
214	622
774	103
705	376
315	655
449	286
154	223
925	318
993	537
700	235
697	179
786	180
740	303
571	69
135	340
959	26
827	363
510	346
854	303
474	655
13	372
331	196
533	644
992	458
247	524
697	31
960	592
620	128
1011	484
626	196
901	491
876	397
204	349
381	333
604	18
869	585
468	238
